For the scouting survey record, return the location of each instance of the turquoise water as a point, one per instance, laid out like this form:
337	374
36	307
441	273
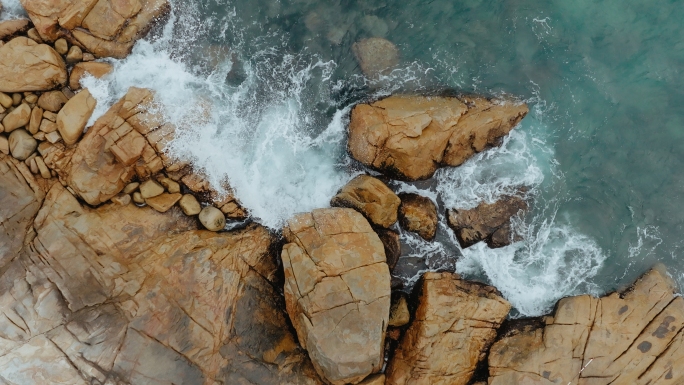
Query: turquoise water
600	149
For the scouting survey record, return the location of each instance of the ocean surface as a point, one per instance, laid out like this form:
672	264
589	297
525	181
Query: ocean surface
261	92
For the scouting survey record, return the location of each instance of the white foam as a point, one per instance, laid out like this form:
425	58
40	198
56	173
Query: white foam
12	9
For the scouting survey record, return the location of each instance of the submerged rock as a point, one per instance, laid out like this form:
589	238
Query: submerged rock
489	222
630	337
103	27
455	323
409	137
419	215
28	66
376	56
337	292
370	197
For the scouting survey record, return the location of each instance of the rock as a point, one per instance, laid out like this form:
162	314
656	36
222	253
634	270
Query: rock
104	27
74	55
16	99
9	28
20	199
489	222
212	218
34	35
5	100
61	46
52	101
107	296
399	313
337	292
19	117
376	379
36	120
53	137
28	66
371	197
73	117
419	215
137	198
150	188
42	168
130	187
376	56
87	56
631	337
170	185
51	116
163	202
47	126
392	244
30	98
21	144
96	69
188	203
122	199
454	324
4	145
409	137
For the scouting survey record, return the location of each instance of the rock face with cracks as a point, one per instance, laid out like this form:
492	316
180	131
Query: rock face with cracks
28	66
409	137
126	295
370	197
630	337
106	28
454	324
337	292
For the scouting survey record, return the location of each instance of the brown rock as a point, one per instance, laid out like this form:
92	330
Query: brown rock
20	199
19	117
454	324
188	203
392	244
9	28
104	27
376	56
30	98
5	100
51	116
36	120
52	101
4	145
96	69
123	294
376	379
419	215
337	292
61	46
131	187
631	337
170	185
399	312
16	99
53	137
28	66
137	198
74	55
371	197
122	199
47	126
21	144
73	117
409	137
212	218
150	188
163	202
486	222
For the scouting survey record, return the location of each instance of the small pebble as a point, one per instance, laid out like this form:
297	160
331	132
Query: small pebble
61	46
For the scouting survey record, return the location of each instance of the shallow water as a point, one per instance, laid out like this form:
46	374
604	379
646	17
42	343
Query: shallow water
261	91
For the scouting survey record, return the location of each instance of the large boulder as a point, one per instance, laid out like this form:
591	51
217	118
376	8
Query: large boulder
121	294
629	337
371	197
337	292
9	28
104	27
409	137
72	118
455	323
28	66
489	222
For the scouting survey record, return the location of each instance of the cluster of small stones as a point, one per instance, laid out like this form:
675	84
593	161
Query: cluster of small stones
30	124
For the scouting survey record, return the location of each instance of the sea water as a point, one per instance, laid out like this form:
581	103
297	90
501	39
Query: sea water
261	90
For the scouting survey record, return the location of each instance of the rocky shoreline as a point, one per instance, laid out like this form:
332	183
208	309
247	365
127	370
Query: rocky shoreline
116	268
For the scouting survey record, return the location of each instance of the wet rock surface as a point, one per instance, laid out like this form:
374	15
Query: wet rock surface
371	197
337	292
409	137
630	337
28	66
419	215
454	324
489	222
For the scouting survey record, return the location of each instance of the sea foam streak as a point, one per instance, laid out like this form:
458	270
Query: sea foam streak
11	9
